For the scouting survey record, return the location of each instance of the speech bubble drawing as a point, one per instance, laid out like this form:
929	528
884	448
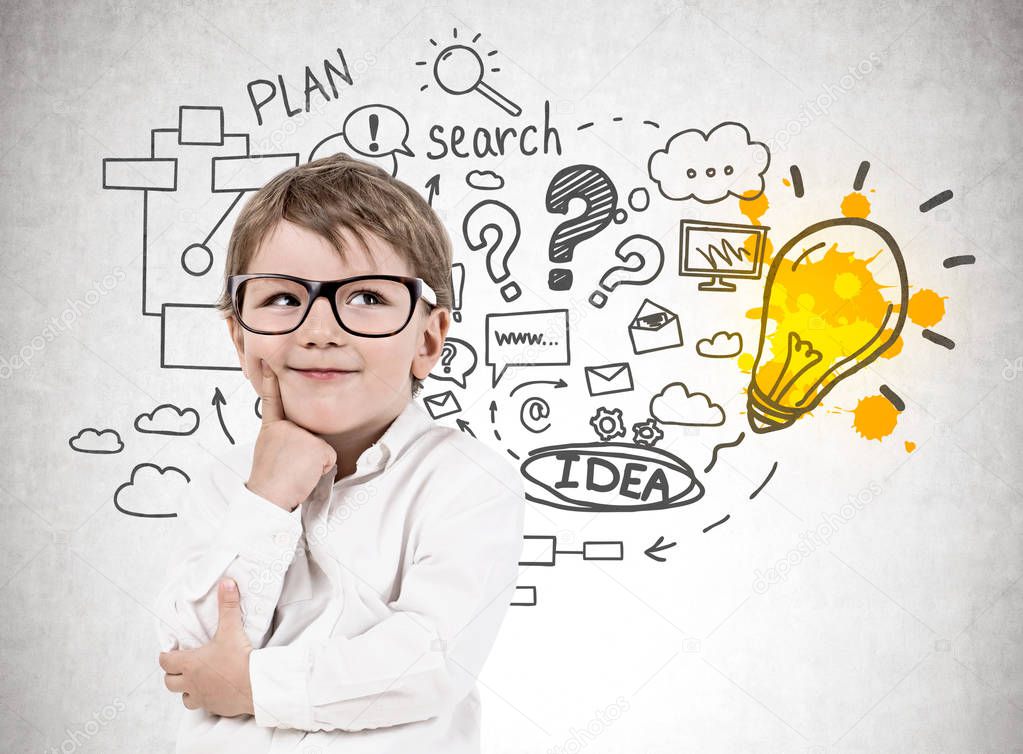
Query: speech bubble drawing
457	361
537	338
377	130
710	167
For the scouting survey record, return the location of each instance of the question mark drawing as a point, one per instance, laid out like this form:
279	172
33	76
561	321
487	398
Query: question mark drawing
457	361
639	253
492	215
447	355
593	186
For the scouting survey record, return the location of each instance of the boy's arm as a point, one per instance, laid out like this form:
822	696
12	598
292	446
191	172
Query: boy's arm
422	659
225	530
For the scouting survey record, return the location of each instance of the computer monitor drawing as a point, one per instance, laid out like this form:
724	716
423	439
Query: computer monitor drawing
721	250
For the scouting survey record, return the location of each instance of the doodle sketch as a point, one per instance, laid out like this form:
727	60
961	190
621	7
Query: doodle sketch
731	294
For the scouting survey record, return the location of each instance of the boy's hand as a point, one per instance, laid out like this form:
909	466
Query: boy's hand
215	676
288	460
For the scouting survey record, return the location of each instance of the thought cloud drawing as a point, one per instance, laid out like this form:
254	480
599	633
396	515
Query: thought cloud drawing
91	440
676	405
710	167
166	419
721	345
484	180
152	491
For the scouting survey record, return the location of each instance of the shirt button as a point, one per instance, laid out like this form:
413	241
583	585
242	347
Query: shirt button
281	538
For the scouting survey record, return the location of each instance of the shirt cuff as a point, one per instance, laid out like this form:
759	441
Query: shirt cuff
280	695
257	529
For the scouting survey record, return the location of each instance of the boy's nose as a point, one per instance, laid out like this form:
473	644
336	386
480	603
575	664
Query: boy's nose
321	324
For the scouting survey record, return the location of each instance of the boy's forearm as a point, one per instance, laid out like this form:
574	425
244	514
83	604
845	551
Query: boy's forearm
228	531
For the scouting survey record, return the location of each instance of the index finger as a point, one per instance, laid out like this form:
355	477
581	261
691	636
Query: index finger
271	406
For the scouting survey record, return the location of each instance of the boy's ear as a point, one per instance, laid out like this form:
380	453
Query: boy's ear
431	342
235	331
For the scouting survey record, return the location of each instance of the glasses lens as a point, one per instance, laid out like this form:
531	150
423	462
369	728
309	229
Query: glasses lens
373	306
271	304
370	307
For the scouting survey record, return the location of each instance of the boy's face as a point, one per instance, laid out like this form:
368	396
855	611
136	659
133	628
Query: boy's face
379	385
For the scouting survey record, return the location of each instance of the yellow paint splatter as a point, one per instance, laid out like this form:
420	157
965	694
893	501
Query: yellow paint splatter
855	205
895	348
875	417
746	362
847	285
926	308
754	207
821	305
786	181
910	446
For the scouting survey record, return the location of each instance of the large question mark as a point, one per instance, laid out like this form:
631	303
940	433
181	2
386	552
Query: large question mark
639	253
474	229
592	185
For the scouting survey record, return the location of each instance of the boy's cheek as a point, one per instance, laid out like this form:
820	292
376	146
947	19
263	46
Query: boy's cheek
252	372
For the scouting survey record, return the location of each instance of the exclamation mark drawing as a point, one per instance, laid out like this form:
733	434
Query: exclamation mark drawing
374	124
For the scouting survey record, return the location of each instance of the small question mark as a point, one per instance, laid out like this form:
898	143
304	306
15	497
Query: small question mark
474	228
639	253
458	359
447	354
593	186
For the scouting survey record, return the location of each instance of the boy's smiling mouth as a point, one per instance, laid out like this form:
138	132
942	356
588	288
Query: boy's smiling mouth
324	373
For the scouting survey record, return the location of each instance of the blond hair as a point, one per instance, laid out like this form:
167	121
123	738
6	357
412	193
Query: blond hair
337	192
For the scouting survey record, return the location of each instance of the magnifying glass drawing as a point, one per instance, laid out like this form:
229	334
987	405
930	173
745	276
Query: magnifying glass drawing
459	70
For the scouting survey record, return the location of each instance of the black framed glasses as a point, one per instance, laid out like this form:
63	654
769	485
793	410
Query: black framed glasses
369	306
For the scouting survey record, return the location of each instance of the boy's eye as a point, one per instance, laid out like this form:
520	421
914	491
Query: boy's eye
282	299
362	298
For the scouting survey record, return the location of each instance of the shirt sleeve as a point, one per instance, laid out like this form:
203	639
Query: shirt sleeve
225	530
423	658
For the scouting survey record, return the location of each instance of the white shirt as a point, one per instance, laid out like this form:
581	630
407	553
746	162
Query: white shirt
371	607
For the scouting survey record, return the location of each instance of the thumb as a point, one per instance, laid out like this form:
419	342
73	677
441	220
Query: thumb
229	605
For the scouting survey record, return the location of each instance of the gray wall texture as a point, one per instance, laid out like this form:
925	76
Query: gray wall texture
866	600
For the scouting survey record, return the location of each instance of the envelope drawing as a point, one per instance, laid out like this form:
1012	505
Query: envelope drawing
442	404
654	328
609	378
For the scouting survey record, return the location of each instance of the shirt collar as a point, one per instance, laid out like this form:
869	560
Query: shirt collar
406	427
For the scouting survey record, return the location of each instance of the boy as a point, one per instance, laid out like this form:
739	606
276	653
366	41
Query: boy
371	553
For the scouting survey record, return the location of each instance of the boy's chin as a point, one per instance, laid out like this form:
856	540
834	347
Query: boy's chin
324	424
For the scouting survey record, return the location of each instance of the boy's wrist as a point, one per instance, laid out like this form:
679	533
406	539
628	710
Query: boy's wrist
285	507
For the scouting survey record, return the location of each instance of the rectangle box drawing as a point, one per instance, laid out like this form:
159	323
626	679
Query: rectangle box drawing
249	173
195	337
140	174
538	550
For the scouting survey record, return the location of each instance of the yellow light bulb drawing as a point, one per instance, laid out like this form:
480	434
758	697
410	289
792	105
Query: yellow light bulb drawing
834	300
